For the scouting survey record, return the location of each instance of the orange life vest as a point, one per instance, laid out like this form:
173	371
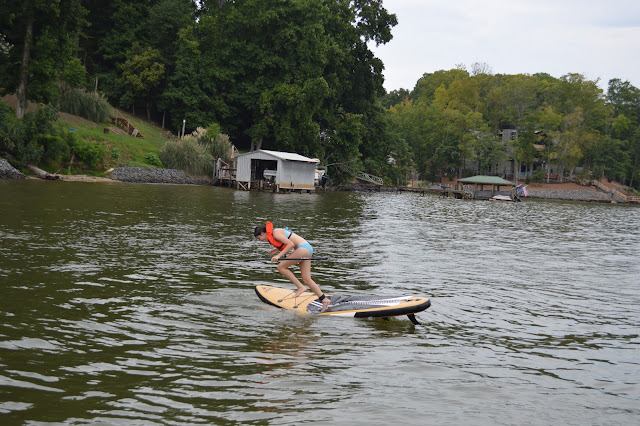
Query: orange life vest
277	244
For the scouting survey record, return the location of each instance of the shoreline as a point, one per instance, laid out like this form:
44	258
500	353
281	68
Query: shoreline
565	191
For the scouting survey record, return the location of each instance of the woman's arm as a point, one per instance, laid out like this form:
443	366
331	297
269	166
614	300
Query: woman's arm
280	236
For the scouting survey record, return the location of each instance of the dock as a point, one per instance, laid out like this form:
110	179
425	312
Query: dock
442	191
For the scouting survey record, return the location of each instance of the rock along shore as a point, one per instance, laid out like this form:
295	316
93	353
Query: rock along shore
172	176
7	171
570	195
148	175
586	194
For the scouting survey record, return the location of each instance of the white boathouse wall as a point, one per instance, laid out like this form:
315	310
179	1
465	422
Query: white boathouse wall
293	171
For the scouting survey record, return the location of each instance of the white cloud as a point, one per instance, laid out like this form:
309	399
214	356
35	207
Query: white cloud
596	38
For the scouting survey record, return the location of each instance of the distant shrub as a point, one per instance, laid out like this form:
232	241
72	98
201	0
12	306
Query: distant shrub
90	105
6	126
153	159
85	152
23	140
196	153
115	153
56	149
187	155
538	176
218	144
585	175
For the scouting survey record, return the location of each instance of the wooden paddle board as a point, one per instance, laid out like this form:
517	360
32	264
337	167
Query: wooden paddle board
351	306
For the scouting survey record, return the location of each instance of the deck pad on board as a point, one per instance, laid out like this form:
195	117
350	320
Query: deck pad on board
354	306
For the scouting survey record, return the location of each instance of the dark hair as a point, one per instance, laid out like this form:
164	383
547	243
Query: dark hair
259	230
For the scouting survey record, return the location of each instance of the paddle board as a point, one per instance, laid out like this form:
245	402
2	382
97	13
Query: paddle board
351	306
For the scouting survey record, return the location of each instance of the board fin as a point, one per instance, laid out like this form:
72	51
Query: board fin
413	319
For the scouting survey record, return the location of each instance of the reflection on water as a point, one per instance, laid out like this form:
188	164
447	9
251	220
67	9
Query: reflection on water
131	303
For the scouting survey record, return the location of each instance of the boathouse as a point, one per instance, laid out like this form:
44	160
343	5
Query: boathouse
487	187
278	171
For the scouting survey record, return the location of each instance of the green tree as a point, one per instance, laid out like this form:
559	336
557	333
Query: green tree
115	27
521	98
286	72
394	97
634	157
549	122
625	99
574	91
143	73
426	87
191	92
44	35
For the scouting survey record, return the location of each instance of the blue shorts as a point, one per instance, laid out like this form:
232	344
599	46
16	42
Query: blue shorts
308	247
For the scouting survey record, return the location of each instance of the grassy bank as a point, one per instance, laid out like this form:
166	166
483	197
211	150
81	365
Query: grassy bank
116	147
121	150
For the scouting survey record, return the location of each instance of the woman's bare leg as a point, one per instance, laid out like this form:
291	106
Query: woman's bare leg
305	271
283	268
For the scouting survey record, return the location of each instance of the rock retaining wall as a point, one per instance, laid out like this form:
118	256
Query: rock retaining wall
149	175
569	194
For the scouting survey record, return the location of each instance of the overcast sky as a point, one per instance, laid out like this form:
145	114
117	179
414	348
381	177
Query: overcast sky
595	38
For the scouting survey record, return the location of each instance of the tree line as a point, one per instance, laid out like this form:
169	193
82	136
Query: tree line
298	75
452	120
292	75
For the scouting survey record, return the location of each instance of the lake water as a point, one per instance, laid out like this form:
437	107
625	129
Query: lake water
126	303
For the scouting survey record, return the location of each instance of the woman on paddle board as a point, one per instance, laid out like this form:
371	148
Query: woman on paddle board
283	241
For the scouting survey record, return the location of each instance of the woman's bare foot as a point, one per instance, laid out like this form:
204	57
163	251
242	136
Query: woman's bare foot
299	292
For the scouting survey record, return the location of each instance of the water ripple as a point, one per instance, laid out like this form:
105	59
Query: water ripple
142	311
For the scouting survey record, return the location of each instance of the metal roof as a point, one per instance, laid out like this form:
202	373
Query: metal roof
287	156
486	180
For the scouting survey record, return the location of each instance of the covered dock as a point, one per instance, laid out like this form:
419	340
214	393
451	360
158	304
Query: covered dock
488	188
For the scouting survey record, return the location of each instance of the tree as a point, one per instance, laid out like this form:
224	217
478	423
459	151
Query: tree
573	91
521	99
549	122
115	28
574	139
625	99
394	97
634	154
478	68
190	93
44	35
288	71
143	73
426	86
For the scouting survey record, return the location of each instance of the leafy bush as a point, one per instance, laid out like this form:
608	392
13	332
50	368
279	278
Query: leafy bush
88	153
22	140
115	153
187	155
6	118
538	175
90	105
197	152
218	144
586	175
56	149
153	159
